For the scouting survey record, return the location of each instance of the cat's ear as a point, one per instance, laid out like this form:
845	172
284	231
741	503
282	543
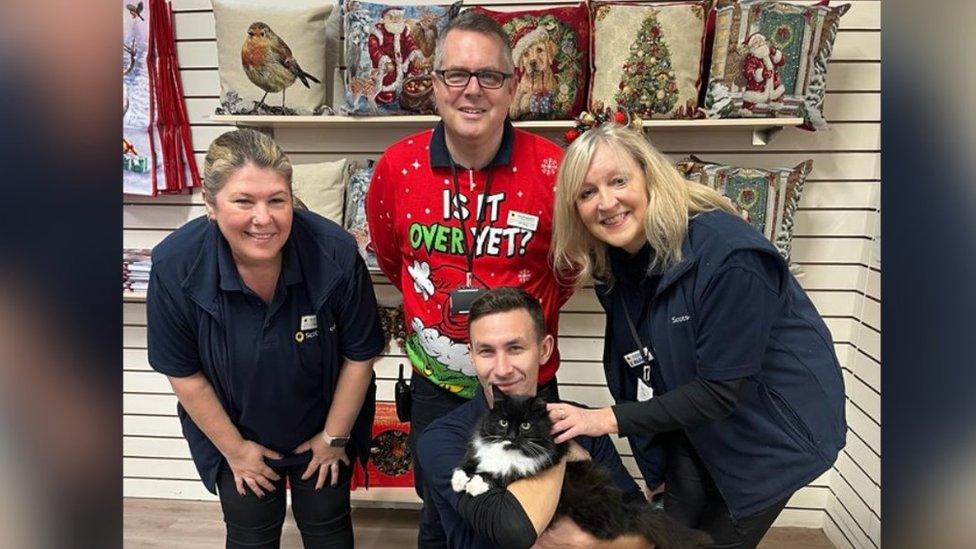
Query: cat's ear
538	405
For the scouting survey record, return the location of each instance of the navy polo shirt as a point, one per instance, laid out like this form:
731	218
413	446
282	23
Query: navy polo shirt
441	449
274	367
731	310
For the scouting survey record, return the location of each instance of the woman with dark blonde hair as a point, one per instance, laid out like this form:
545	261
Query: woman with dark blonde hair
723	373
264	320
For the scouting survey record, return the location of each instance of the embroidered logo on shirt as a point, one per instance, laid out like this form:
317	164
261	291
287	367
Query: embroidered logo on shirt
682	318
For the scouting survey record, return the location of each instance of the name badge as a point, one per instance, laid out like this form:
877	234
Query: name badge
644	391
636	358
462	298
309	322
521	220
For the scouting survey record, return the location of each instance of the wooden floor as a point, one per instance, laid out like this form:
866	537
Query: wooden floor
159	523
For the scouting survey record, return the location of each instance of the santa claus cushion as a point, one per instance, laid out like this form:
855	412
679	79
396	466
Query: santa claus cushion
550	48
356	212
271	56
767	199
321	187
389	56
769	59
647	58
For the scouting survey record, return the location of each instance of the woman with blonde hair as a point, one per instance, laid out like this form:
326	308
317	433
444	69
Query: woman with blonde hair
724	375
263	318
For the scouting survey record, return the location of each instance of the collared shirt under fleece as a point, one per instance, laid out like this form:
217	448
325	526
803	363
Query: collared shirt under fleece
493	519
273	367
415	222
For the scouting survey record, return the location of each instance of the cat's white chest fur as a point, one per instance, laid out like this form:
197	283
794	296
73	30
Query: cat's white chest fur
496	459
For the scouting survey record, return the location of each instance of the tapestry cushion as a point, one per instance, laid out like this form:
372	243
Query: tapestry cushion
767	199
550	48
769	59
356	212
647	58
389	56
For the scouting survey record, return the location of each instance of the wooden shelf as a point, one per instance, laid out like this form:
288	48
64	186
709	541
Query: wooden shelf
389	498
133	297
763	129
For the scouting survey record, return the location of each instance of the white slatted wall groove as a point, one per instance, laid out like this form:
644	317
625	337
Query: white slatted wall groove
838	217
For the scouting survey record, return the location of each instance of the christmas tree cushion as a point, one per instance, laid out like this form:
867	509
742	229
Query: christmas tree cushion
769	59
271	56
551	52
321	187
389	56
647	58
356	212
767	199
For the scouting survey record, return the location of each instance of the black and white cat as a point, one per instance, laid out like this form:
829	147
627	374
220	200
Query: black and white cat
512	442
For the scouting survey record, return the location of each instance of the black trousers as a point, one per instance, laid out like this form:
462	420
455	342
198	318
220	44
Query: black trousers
323	516
691	498
429	403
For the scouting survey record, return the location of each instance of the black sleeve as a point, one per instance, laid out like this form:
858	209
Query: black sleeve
499	517
689	405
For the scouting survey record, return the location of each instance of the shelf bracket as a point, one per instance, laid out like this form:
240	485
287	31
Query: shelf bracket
764	136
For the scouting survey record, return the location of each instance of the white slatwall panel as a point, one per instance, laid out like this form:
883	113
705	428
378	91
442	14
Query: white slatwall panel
839	214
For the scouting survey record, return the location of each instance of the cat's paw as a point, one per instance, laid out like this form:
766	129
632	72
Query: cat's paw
459	480
476	486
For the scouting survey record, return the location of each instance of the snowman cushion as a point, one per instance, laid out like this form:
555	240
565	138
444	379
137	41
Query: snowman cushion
647	58
769	59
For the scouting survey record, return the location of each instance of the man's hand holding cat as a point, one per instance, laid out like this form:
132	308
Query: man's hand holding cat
572	421
325	460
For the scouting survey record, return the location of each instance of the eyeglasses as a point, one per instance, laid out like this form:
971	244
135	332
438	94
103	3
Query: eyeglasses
459	78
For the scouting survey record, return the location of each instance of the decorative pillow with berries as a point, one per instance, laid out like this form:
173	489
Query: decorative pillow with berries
271	56
389	56
356	212
769	59
647	58
767	199
550	48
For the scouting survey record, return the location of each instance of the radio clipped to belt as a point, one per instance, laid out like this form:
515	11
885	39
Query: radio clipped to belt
402	397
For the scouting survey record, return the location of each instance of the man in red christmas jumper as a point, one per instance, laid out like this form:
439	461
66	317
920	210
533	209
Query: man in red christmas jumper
390	45
458	209
762	80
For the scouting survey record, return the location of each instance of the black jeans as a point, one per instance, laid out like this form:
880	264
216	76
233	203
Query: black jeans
323	516
429	403
691	498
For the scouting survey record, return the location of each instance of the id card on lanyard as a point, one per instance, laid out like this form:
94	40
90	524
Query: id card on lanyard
641	358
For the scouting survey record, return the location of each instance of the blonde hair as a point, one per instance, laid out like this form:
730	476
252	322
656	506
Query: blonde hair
233	150
671	202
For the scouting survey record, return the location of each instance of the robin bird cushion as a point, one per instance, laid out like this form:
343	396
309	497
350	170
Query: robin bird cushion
647	58
551	50
272	56
766	198
769	59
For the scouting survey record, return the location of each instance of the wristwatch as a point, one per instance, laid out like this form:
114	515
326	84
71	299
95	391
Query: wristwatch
334	442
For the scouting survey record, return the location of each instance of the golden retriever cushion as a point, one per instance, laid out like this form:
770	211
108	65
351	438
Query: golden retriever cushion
551	52
647	58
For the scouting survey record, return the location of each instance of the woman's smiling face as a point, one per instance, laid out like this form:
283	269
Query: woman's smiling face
612	201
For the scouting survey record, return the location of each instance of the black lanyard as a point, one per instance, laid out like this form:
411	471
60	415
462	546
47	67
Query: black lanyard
470	250
644	350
